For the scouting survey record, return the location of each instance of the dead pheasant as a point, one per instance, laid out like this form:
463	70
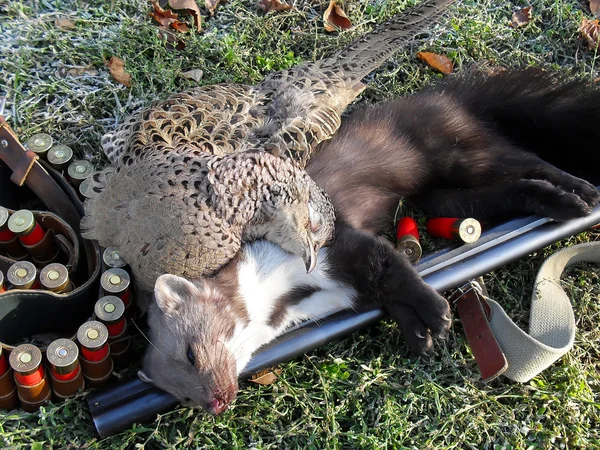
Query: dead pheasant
205	169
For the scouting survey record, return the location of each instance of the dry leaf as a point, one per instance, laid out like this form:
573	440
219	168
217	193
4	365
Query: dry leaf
211	5
64	24
590	30
335	17
116	66
192	7
273	5
167	18
164	17
595	7
180	26
194	74
521	17
440	63
265	377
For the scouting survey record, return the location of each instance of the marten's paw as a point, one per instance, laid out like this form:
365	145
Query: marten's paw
544	198
420	323
584	190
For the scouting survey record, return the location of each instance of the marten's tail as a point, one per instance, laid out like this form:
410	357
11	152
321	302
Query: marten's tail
557	120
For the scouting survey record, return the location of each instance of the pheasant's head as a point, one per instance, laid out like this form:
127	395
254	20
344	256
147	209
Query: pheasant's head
303	223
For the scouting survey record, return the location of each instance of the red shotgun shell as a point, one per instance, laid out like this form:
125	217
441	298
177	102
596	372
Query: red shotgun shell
32	384
22	275
65	370
407	239
467	230
96	361
24	225
116	281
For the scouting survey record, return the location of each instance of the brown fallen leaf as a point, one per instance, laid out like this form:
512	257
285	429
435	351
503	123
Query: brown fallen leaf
273	5
590	31
595	7
116	66
440	63
335	17
192	7
521	17
180	26
167	18
194	74
64	24
265	377
164	17
211	5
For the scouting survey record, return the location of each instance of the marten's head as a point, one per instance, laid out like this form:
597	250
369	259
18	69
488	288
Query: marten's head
195	348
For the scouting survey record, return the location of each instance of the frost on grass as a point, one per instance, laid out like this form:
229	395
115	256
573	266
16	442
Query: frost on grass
364	391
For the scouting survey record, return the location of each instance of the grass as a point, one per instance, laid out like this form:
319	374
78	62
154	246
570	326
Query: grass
363	391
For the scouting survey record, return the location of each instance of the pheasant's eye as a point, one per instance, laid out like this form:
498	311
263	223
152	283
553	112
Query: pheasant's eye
191	357
315	219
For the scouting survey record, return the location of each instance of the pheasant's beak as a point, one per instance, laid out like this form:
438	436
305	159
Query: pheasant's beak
310	256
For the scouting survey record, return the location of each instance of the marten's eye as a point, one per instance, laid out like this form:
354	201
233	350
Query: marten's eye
191	357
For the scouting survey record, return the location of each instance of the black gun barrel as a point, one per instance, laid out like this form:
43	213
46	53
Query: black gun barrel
135	401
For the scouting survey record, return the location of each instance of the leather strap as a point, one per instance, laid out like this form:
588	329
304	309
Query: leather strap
551	323
27	170
474	313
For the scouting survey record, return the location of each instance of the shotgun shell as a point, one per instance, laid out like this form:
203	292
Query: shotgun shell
8	389
113	259
60	157
39	143
24	225
22	275
79	170
110	310
467	230
8	240
84	189
55	277
407	242
2	289
116	281
32	384
5	234
32	236
96	363
65	370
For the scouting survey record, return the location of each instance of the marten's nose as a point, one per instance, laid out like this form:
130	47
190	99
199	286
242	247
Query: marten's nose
217	405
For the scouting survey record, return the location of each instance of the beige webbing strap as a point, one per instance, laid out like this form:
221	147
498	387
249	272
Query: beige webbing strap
551	323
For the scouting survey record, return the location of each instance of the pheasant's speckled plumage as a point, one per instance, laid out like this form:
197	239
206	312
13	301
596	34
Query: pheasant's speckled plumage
164	207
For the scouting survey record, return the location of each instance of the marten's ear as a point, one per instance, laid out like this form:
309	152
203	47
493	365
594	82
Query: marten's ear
142	376
171	292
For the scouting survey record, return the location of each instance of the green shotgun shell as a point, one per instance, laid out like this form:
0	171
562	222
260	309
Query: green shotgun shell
60	156
39	143
79	170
